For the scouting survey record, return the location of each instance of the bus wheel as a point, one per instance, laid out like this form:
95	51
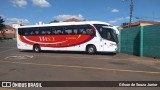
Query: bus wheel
36	48
91	49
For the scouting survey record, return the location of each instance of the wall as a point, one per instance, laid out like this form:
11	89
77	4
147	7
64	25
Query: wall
141	41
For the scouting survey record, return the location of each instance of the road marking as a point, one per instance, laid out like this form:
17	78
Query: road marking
83	67
19	57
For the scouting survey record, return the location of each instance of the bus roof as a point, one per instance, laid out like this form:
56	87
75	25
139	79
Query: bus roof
66	23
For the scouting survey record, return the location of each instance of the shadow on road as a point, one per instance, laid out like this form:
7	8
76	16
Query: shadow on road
69	52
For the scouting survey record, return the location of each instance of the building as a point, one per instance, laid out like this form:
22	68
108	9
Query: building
72	20
15	25
39	23
7	32
138	23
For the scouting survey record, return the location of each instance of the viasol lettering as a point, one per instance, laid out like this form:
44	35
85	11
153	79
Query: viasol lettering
46	38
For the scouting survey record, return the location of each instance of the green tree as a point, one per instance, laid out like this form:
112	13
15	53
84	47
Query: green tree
1	24
54	21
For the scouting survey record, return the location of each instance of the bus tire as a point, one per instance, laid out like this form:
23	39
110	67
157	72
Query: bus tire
36	48
91	49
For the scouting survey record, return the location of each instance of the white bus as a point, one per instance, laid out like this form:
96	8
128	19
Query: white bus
89	36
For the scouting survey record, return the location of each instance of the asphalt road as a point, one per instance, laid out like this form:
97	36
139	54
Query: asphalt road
16	65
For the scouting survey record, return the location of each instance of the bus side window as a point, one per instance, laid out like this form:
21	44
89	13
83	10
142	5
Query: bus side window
75	31
59	30
32	32
86	30
68	30
43	32
26	32
83	31
36	32
48	30
53	31
23	32
89	31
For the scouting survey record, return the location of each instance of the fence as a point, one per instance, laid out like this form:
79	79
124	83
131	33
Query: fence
141	41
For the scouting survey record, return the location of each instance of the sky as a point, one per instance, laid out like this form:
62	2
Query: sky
115	12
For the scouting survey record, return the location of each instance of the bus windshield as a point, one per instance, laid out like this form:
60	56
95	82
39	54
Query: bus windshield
106	32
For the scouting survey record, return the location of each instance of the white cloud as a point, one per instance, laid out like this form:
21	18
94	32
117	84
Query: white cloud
115	10
18	21
118	20
65	17
157	20
41	3
127	17
19	3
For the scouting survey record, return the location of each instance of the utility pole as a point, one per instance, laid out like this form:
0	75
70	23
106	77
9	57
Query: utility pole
131	12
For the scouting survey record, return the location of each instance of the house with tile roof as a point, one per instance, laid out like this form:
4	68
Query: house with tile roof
139	23
72	20
7	32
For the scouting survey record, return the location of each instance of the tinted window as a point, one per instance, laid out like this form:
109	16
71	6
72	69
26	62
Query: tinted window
68	30
35	31
57	30
20	31
86	29
44	30
106	33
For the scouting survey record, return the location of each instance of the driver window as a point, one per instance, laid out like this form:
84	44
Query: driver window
108	35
